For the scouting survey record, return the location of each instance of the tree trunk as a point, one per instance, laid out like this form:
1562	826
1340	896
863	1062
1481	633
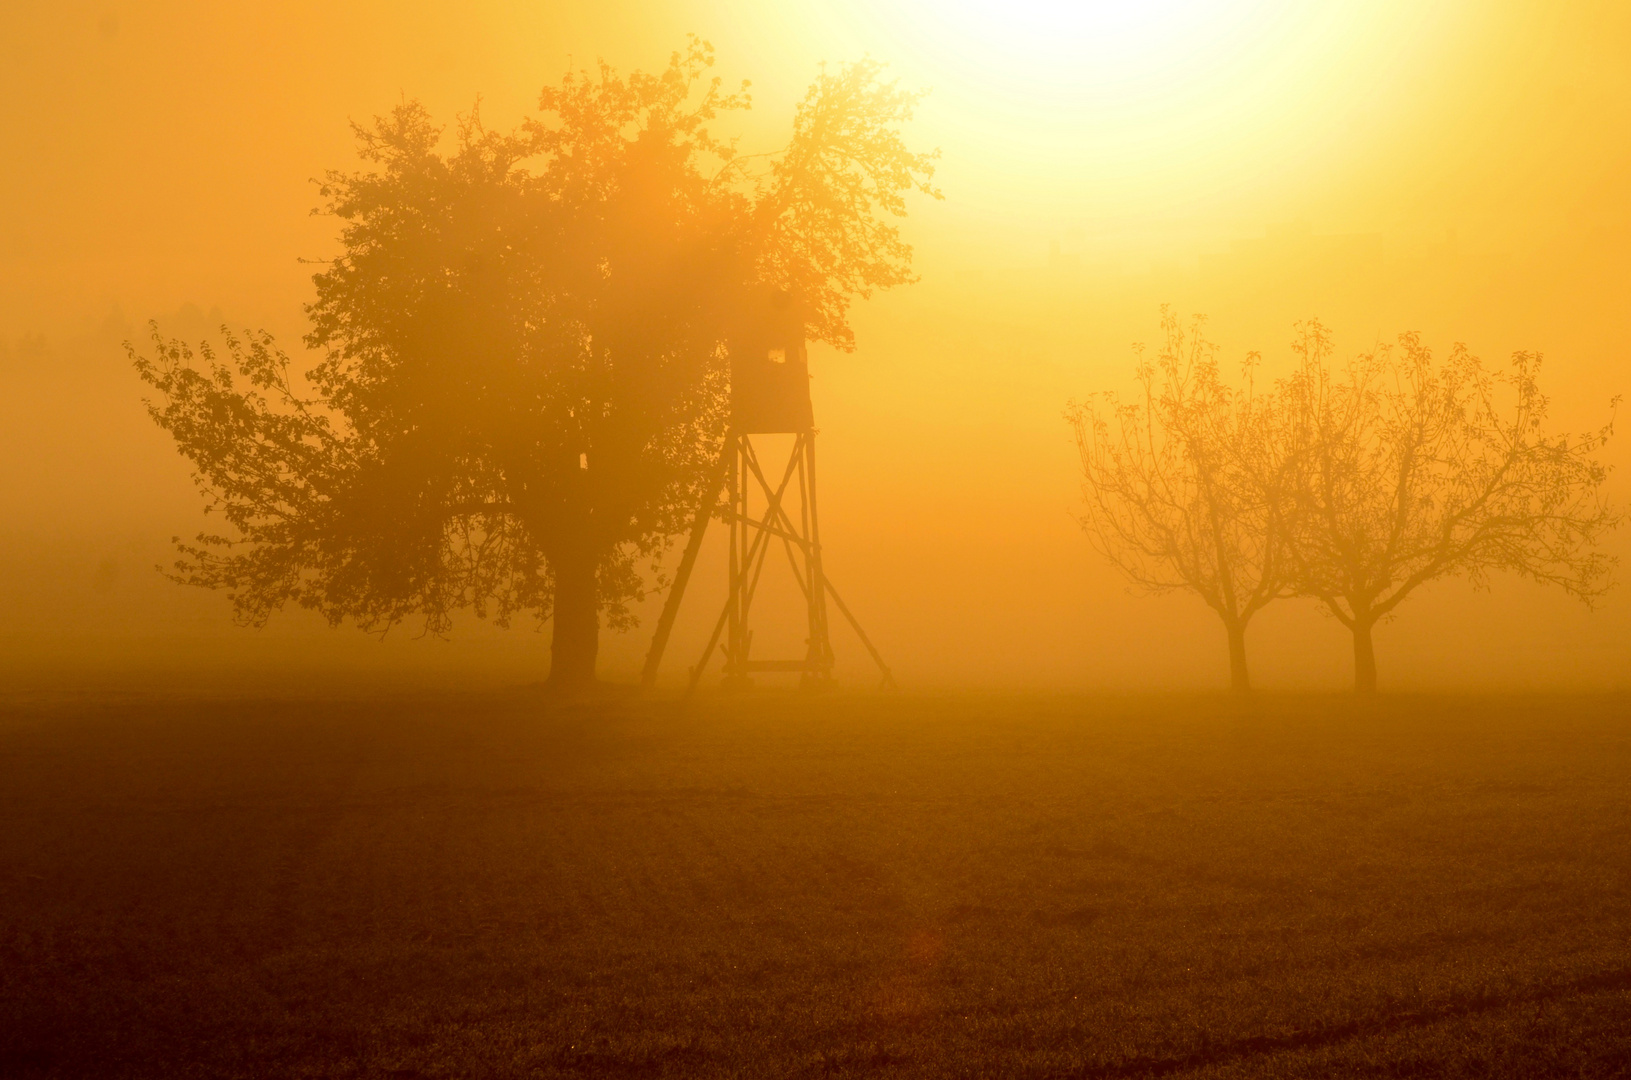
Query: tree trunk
576	637
1364	658
1239	681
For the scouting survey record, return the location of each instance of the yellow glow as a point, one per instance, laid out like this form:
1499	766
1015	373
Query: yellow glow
1042	39
1047	46
1136	121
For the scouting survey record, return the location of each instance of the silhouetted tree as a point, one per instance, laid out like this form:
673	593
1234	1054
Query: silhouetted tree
1409	469
523	386
1180	484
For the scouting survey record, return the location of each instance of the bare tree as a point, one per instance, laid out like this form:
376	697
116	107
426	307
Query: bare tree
1180	486
1408	469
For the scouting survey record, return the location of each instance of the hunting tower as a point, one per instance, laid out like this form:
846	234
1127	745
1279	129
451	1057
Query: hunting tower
767	503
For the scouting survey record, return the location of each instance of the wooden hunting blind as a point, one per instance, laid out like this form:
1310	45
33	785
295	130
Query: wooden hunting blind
764	508
770	370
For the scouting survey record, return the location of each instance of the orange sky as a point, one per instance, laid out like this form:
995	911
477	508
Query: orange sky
1099	159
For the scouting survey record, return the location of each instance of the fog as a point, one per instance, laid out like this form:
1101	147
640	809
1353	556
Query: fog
1384	167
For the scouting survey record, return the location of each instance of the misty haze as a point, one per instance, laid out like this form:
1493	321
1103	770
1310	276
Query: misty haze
899	539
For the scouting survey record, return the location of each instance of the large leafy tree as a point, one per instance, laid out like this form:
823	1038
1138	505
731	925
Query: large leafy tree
1408	468
523	384
1180	484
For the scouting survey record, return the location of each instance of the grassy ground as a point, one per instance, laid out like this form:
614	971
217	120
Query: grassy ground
780	886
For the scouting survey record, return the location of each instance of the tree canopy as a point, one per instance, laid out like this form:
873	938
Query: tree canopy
1352	483
523	381
1179	486
1411	468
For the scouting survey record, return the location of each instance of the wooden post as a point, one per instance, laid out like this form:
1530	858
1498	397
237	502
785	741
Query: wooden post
819	650
682	575
734	647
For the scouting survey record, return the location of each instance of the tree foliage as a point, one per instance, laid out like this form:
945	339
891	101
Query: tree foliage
1353	483
523	382
1180	485
1411	469
827	203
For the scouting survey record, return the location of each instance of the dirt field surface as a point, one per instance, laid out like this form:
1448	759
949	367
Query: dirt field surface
775	885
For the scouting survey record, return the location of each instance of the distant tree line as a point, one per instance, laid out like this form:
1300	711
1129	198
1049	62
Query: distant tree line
1352	482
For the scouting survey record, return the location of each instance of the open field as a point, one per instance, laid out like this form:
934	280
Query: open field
771	885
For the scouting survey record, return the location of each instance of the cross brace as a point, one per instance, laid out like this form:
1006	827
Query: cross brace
753	531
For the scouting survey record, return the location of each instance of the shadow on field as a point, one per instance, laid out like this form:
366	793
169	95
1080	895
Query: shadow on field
768	885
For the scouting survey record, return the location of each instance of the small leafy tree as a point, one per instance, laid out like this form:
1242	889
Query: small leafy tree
523	384
1180	486
1408	469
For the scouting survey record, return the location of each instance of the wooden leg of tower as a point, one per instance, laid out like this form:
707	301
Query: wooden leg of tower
688	562
707	654
738	555
818	655
855	624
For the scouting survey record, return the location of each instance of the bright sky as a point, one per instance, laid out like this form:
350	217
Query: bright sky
183	133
